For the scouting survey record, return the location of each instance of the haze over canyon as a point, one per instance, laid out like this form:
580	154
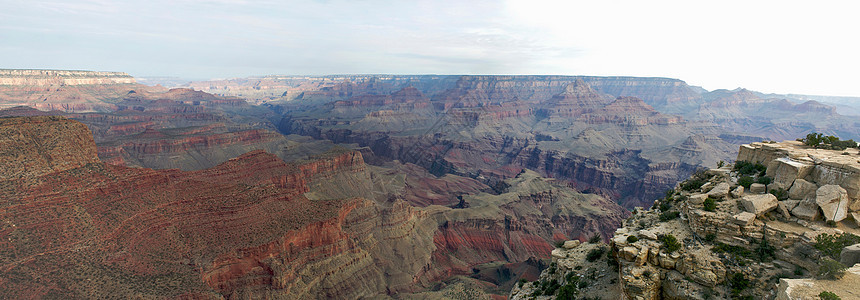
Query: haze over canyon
346	186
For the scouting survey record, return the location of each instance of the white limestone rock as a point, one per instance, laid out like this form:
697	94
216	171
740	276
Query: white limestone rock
759	204
719	191
801	189
833	201
744	218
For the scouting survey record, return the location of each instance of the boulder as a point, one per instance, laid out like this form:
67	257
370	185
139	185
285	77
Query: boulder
806	209
697	199
850	255
856	216
642	257
558	253
783	209
628	253
757	188
571	244
738	192
775	186
833	200
784	170
759	204
647	234
801	189
744	218
719	191
790	204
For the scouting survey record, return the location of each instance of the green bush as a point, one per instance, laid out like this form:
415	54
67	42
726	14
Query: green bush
670	242
594	254
632	239
764	180
735	251
746	181
830	269
710	204
559	244
747	168
669	215
831	245
780	194
738	283
567	292
692	184
710	237
765	251
828	296
819	140
594	239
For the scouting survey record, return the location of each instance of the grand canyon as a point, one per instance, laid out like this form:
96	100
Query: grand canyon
393	186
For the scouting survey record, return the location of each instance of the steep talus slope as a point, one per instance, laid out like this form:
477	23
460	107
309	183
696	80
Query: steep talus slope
41	145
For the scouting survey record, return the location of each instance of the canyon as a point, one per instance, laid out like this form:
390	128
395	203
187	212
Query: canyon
426	186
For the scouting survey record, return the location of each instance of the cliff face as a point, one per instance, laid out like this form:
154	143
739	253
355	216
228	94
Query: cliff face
713	238
254	226
60	77
488	125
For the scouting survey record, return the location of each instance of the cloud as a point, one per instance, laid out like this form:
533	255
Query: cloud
772	46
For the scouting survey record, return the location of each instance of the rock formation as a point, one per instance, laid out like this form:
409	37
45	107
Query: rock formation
703	242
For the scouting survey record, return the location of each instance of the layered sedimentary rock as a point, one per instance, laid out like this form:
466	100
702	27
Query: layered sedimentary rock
710	239
69	91
485	126
254	226
60	77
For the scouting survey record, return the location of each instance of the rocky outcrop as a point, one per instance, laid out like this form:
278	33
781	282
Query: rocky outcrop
701	241
825	179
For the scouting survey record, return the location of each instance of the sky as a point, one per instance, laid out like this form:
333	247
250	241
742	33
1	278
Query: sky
804	47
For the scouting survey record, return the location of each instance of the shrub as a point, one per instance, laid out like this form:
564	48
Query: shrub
594	254
745	181
665	206
692	184
735	251
720	164
567	292
798	271
670	242
831	245
594	239
738	283
710	204
710	237
669	215
780	194
828	296
559	244
646	274
747	168
551	288
764	180
632	239
765	251
830	269
522	281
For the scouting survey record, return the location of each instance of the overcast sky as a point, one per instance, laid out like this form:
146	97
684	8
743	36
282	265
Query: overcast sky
808	47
